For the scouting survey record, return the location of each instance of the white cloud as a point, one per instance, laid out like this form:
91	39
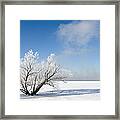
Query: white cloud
78	34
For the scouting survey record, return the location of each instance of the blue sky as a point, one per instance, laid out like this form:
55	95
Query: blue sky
76	44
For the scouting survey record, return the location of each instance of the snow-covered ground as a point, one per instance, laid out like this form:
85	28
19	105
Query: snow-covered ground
73	85
70	90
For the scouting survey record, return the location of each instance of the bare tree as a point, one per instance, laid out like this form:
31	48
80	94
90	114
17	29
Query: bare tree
34	74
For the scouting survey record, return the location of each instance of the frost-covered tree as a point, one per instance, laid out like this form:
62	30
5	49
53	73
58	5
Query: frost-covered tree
34	74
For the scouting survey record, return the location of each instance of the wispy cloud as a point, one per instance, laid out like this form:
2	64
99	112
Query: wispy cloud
77	35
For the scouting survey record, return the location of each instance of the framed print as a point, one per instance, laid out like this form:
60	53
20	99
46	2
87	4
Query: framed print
59	59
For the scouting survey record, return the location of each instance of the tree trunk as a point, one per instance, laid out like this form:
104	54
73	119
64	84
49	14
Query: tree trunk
27	93
38	88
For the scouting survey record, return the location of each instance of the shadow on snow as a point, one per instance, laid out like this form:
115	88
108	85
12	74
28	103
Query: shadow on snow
55	93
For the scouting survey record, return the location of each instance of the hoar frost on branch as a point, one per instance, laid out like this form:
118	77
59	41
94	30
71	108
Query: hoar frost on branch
34	74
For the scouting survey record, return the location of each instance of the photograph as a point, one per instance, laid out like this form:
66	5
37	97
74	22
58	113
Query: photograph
60	59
